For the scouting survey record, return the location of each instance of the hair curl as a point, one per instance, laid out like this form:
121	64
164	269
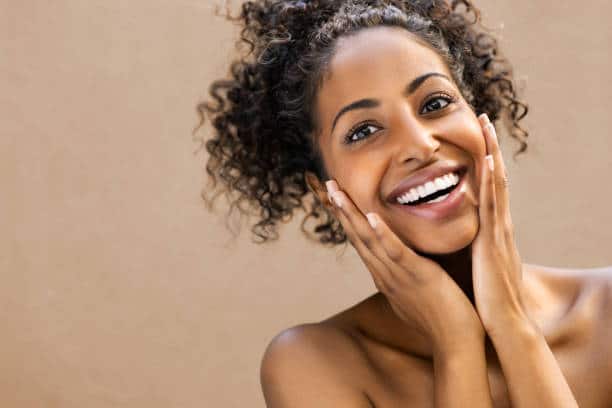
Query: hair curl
262	114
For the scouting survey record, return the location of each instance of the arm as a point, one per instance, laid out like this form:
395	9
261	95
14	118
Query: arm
423	295
532	373
461	378
304	367
296	372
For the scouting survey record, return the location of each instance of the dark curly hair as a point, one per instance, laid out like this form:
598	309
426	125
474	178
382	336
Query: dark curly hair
262	114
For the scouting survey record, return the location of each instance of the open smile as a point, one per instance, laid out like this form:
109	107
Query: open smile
436	199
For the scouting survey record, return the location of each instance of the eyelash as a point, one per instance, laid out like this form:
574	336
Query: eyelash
364	125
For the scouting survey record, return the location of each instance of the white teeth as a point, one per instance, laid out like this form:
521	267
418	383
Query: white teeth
451	179
430	187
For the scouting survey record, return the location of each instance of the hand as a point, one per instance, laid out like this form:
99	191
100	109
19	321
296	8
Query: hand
420	292
496	264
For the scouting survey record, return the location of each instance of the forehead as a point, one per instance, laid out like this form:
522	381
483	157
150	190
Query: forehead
373	62
393	44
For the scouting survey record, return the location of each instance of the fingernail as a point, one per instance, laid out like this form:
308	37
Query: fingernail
331	186
489	160
484	119
372	220
491	129
337	199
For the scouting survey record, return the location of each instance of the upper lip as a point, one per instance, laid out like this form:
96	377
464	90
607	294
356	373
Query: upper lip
422	176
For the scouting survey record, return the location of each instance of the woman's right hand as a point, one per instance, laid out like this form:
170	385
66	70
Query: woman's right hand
419	290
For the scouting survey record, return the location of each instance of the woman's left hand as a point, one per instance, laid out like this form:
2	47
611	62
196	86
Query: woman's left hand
496	264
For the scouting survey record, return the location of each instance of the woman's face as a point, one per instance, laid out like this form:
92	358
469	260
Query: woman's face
401	129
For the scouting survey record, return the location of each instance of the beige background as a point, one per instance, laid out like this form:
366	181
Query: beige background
120	290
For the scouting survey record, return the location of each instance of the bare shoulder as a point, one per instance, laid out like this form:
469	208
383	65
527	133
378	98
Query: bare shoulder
312	364
590	288
604	272
601	280
582	279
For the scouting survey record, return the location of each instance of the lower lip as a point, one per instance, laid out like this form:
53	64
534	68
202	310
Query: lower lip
442	209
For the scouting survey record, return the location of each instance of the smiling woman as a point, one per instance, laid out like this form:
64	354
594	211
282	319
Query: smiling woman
377	117
422	130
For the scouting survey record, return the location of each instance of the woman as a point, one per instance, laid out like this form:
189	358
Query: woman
384	111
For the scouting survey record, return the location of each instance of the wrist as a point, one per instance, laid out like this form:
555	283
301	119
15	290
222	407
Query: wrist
514	326
456	347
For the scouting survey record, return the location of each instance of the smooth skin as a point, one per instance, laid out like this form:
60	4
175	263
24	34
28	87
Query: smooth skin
459	320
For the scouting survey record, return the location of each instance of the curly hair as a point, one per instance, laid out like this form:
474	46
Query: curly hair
262	115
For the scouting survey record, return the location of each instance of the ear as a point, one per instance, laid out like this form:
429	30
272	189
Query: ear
317	188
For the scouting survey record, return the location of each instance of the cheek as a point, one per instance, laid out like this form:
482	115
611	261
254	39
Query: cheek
464	131
360	178
476	143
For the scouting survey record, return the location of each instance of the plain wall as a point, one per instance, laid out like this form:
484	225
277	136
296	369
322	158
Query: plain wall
119	288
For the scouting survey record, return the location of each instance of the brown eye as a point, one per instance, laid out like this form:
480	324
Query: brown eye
436	103
360	133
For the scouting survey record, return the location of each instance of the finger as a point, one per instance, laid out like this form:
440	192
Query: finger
500	174
366	235
502	192
400	258
378	270
488	204
370	239
354	218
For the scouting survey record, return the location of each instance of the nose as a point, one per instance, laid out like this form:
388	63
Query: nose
414	139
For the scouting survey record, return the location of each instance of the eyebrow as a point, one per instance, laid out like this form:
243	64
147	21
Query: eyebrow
372	103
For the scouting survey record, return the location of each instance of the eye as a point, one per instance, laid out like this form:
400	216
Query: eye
437	103
359	133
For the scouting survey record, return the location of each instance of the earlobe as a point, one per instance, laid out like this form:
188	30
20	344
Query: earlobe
316	187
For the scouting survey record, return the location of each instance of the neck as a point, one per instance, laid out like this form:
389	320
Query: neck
458	265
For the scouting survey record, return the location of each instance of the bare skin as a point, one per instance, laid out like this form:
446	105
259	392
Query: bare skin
393	366
458	320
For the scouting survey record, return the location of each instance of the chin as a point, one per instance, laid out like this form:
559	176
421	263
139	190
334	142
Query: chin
453	240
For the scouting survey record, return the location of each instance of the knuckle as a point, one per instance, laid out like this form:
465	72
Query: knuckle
367	241
509	227
508	235
382	286
395	254
415	277
490	206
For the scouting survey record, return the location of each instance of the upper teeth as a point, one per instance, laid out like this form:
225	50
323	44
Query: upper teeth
430	187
